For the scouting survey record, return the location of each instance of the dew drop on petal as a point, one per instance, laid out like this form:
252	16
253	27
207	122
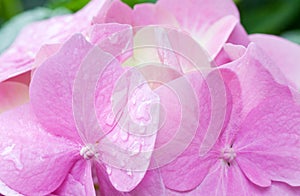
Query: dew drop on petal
10	154
129	173
115	137
135	148
108	170
110	119
124	136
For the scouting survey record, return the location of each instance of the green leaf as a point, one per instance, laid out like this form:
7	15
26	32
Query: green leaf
293	36
131	3
9	8
268	16
12	28
73	5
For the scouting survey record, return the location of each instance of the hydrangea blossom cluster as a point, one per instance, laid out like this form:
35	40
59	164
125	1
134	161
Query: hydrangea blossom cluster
169	98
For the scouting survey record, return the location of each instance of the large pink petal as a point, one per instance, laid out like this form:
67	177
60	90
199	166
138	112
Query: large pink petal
12	94
52	85
20	56
255	80
216	35
32	160
92	94
268	142
151	14
151	185
215	181
205	20
116	12
284	54
278	188
24	78
127	149
189	169
179	117
79	181
198	14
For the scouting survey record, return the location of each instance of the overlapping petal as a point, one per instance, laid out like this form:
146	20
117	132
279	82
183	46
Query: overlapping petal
269	140
32	160
12	94
19	58
52	86
79	181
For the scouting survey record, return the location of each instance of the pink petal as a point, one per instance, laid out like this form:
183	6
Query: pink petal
215	182
32	160
79	181
12	94
284	54
190	168
152	184
127	149
239	36
45	52
105	186
203	12
51	88
268	141
24	78
113	38
92	93
278	188
217	34
152	14
238	184
256	82
114	12
179	117
234	51
113	122
206	14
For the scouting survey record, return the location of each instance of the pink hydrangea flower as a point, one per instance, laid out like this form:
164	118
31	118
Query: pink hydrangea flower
46	149
76	132
258	146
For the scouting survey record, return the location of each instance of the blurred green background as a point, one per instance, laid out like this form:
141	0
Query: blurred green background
280	17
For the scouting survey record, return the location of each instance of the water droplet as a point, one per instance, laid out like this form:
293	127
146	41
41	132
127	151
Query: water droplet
8	150
110	119
108	170
113	39
15	157
133	100
143	130
115	137
129	173
124	136
135	148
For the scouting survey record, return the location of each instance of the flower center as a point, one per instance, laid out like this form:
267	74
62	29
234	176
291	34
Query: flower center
88	152
228	155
